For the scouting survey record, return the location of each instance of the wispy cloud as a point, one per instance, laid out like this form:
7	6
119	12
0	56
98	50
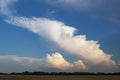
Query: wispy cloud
78	5
5	7
100	9
87	50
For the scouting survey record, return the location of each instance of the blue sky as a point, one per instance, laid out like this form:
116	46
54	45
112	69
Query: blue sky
45	34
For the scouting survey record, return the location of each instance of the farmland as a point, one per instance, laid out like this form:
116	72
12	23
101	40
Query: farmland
59	77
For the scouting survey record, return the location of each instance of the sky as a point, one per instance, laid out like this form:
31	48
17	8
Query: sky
60	35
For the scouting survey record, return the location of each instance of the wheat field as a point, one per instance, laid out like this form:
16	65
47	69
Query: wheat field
67	77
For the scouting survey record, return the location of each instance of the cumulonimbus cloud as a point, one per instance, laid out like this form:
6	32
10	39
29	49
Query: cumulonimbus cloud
56	60
87	50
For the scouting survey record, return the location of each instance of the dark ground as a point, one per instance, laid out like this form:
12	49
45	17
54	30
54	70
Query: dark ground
60	77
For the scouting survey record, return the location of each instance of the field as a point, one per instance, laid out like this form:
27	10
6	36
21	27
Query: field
75	77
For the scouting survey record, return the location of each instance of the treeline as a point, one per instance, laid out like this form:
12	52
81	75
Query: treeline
59	73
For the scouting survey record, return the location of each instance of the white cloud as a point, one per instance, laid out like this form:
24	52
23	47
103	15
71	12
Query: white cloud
5	7
87	50
18	64
56	61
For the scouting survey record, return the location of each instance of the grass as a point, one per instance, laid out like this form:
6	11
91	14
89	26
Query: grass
67	77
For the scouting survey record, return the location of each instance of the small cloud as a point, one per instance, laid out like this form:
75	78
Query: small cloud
56	60
52	12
